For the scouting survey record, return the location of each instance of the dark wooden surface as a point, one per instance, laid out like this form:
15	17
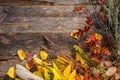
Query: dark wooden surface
23	24
43	2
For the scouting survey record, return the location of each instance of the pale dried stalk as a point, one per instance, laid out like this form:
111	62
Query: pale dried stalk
24	74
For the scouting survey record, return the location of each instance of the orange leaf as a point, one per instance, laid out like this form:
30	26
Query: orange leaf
103	16
77	77
78	8
105	51
91	38
86	75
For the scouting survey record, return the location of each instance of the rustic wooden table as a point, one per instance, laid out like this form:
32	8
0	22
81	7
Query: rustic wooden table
23	24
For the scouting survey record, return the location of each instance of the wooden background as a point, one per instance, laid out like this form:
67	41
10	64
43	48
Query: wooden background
24	22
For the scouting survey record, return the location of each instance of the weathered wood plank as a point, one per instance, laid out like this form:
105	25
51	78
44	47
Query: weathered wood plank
2	14
44	11
41	24
11	42
37	2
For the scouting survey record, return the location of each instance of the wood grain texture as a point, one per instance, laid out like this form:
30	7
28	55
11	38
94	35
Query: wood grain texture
44	2
24	22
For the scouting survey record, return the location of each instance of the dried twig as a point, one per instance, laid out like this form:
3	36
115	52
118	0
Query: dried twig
45	48
48	40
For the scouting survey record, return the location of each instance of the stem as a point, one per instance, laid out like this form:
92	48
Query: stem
88	58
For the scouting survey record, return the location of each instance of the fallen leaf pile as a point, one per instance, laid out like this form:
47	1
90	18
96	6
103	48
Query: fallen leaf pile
66	67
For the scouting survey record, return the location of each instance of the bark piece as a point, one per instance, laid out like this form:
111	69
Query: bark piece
24	74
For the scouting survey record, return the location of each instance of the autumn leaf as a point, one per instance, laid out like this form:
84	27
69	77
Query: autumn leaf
72	75
43	55
86	75
21	54
63	60
18	79
78	7
37	60
95	37
96	77
103	16
55	66
27	66
67	71
56	74
79	58
86	28
98	36
11	72
92	38
30	60
58	70
46	75
76	33
89	21
105	51
77	77
37	73
95	59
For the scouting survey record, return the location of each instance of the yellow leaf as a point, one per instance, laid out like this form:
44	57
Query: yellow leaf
55	66
98	36
63	60
11	72
57	69
79	58
27	66
67	71
56	74
39	67
60	61
46	74
37	60
37	73
72	75
72	34
21	54
43	55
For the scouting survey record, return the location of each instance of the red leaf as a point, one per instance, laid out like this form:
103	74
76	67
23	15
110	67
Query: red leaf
30	59
89	18
107	40
82	11
89	21
86	28
79	33
96	77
